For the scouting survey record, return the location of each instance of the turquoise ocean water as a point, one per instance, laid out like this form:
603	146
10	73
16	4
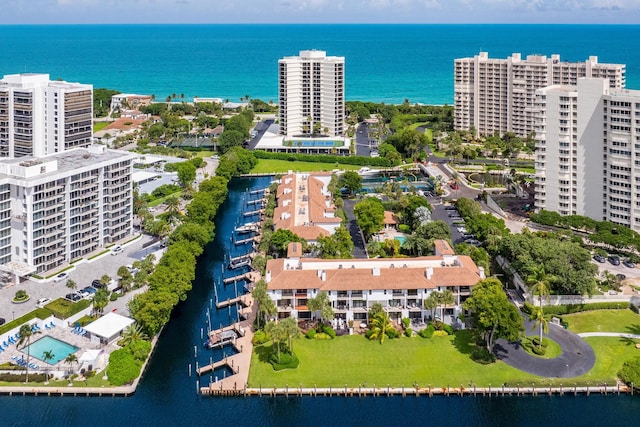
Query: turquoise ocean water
386	63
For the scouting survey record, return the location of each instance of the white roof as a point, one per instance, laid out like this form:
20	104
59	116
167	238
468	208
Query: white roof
90	355
148	160
109	325
142	176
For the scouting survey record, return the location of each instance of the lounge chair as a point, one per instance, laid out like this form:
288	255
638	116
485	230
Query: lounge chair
47	327
52	325
4	343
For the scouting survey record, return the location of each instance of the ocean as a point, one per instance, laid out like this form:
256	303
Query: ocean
384	63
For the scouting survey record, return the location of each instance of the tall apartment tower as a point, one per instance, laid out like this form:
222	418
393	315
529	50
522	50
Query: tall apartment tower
311	94
587	137
59	208
497	95
39	117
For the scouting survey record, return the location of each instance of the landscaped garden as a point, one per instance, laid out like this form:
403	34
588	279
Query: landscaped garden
283	166
623	321
439	362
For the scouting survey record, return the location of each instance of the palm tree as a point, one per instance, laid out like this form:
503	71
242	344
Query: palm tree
321	304
100	300
71	284
277	332
24	338
540	321
290	327
444	298
431	303
380	325
70	360
133	332
173	207
538	281
266	306
46	357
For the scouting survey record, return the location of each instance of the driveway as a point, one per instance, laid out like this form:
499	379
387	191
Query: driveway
359	250
577	356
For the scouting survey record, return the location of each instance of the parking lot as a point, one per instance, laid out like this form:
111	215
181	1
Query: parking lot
83	274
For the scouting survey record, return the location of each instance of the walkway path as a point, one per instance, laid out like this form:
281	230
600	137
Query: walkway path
577	356
609	334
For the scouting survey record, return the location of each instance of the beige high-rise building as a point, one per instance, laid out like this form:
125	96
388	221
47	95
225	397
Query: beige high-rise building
39	116
311	94
497	95
588	140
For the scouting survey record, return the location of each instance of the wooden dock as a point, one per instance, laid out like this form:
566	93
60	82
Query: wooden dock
247	240
251	213
237	300
256	201
238	258
219	390
245	276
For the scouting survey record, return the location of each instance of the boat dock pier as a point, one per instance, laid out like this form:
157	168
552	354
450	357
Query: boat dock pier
241	300
245	276
251	213
247	240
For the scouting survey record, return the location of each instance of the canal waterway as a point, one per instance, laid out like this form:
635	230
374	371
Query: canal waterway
167	394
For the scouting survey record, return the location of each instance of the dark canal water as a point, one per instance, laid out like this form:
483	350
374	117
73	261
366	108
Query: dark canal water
167	394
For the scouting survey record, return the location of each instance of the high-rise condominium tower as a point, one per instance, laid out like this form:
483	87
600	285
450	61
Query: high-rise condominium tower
39	117
311	94
497	95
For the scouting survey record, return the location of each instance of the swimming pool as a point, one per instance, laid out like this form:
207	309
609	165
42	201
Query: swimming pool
316	143
400	239
60	349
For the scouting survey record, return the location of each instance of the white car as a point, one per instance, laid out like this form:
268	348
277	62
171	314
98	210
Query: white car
116	250
462	230
60	277
42	302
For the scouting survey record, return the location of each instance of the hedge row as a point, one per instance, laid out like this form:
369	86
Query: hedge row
325	158
561	310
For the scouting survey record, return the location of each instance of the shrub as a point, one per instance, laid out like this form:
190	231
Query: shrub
440	333
20	378
482	356
260	337
536	342
427	332
321	336
139	349
404	228
123	368
287	361
329	331
368	334
528	308
540	351
559	310
391	334
448	329
630	372
311	333
406	322
113	296
408	332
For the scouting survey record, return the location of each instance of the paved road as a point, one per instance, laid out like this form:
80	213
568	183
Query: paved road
356	235
260	128
363	146
577	356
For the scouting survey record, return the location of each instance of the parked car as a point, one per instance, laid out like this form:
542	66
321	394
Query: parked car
599	258
116	250
98	284
61	276
462	230
89	290
73	297
614	259
42	302
628	263
473	242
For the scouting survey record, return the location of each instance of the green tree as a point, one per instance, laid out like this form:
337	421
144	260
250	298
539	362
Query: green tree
70	360
277	333
25	333
291	330
351	181
376	308
266	306
443	299
100	300
71	284
369	215
380	325
186	173
125	278
229	139
321	304
540	322
492	315
47	355
431	303
131	333
281	238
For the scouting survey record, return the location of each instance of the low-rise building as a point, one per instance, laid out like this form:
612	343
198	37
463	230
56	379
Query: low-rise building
400	285
305	206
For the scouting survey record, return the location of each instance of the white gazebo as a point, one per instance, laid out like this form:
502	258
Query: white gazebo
108	328
92	360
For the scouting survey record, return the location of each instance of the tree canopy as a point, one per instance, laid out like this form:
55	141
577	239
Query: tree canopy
369	215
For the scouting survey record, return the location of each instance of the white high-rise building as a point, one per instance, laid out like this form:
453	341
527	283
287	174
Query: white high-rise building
39	116
587	140
311	94
59	208
497	95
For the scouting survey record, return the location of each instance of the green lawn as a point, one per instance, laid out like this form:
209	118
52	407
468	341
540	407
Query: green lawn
604	321
553	348
439	362
98	126
282	166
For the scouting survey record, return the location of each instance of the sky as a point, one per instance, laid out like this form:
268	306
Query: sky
319	11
